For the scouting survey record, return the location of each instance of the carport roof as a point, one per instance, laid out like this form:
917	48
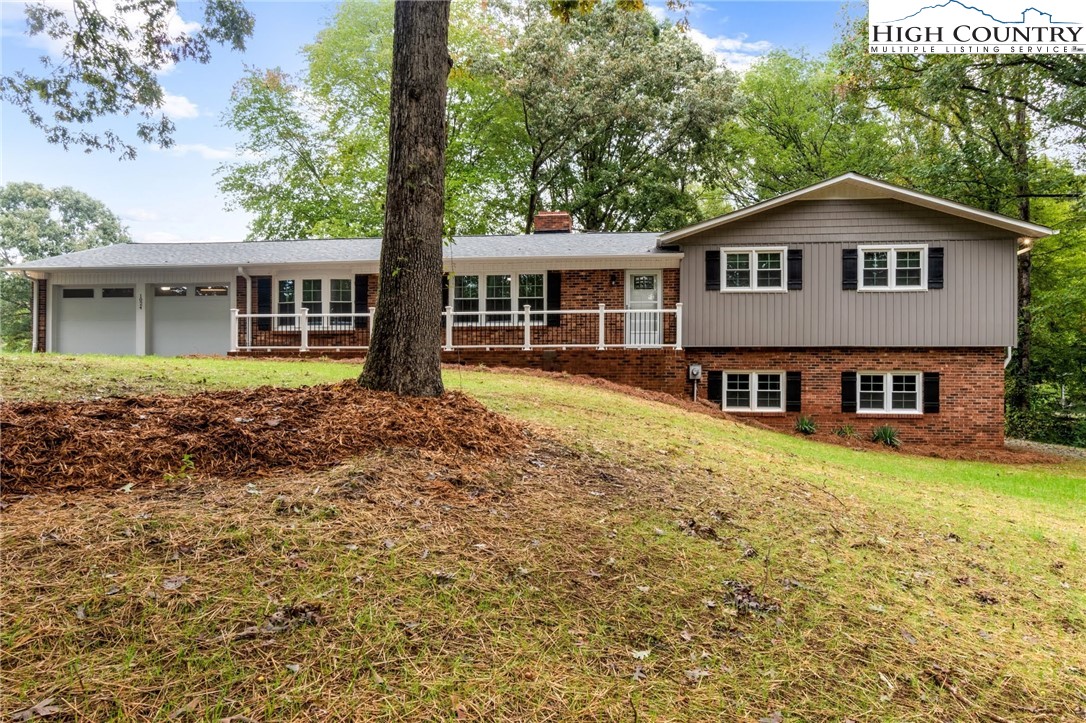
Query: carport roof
270	253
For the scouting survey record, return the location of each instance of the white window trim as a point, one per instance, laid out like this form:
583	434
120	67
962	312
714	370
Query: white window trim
887	390
517	311
892	267
752	252
753	381
326	301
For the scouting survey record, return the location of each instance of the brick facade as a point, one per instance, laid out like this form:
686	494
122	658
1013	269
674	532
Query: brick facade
971	389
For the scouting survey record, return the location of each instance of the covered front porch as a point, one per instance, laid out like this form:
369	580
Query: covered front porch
525	329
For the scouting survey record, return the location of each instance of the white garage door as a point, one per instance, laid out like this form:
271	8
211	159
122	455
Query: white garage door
190	319
96	320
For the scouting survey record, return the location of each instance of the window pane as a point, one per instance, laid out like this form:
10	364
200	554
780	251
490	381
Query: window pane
769	391
871	391
286	291
123	293
737	271
286	302
80	294
737	391
211	291
907	272
171	291
769	269
903	392
465	297
311	299
342	301
499	296
531	294
876	268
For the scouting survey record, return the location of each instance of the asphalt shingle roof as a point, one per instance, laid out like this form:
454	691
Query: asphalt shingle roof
260	253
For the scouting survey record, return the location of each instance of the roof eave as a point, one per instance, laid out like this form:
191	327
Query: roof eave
1023	228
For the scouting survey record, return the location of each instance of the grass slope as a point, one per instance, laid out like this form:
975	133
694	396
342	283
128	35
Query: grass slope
814	582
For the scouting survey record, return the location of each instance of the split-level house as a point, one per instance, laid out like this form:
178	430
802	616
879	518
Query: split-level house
852	301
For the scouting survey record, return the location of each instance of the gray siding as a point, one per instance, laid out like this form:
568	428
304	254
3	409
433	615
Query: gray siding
976	307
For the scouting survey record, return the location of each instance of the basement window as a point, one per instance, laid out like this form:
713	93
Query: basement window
121	293
889	392
754	391
78	293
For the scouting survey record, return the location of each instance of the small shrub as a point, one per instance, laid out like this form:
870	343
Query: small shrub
806	424
187	468
846	431
886	435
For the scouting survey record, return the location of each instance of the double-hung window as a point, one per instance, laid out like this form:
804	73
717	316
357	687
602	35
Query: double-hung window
497	298
754	391
323	298
893	268
754	269
889	392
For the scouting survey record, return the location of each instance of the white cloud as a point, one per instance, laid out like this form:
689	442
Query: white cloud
736	52
203	150
140	215
157	237
178	106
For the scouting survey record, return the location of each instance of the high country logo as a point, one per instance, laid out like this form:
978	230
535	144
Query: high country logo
954	26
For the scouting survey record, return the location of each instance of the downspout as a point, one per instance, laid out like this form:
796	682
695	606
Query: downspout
1007	361
249	305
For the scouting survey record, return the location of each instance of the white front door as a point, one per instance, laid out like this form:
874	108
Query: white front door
643	300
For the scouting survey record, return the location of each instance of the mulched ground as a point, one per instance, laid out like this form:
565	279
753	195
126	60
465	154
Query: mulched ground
241	434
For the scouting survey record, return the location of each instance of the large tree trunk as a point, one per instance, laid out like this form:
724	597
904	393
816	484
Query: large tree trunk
405	349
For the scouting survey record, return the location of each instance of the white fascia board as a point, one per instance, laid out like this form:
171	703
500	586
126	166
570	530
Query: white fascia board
886	190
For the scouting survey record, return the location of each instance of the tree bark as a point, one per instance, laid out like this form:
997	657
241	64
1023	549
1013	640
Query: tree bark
405	348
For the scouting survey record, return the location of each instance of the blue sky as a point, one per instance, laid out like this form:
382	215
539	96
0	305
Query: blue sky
171	195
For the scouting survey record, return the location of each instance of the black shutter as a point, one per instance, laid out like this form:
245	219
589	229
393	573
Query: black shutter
793	391
712	269
849	269
554	297
262	288
931	392
848	391
361	299
795	269
714	386
935	267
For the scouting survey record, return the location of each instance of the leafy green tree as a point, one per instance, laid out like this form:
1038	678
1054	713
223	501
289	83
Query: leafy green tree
109	65
36	222
996	115
618	110
319	144
794	127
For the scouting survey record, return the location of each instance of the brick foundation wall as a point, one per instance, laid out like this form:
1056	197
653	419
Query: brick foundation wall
971	389
41	288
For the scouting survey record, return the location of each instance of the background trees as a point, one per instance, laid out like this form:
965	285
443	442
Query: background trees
109	64
36	222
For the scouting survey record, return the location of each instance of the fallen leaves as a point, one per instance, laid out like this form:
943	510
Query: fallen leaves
41	709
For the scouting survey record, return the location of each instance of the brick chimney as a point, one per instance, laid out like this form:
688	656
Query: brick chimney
552	222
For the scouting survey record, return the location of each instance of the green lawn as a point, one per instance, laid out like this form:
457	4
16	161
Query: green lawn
817	582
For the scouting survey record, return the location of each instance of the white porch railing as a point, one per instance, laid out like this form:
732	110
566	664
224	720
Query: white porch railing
527	329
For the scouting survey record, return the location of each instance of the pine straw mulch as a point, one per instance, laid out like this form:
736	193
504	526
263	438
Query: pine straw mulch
232	434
